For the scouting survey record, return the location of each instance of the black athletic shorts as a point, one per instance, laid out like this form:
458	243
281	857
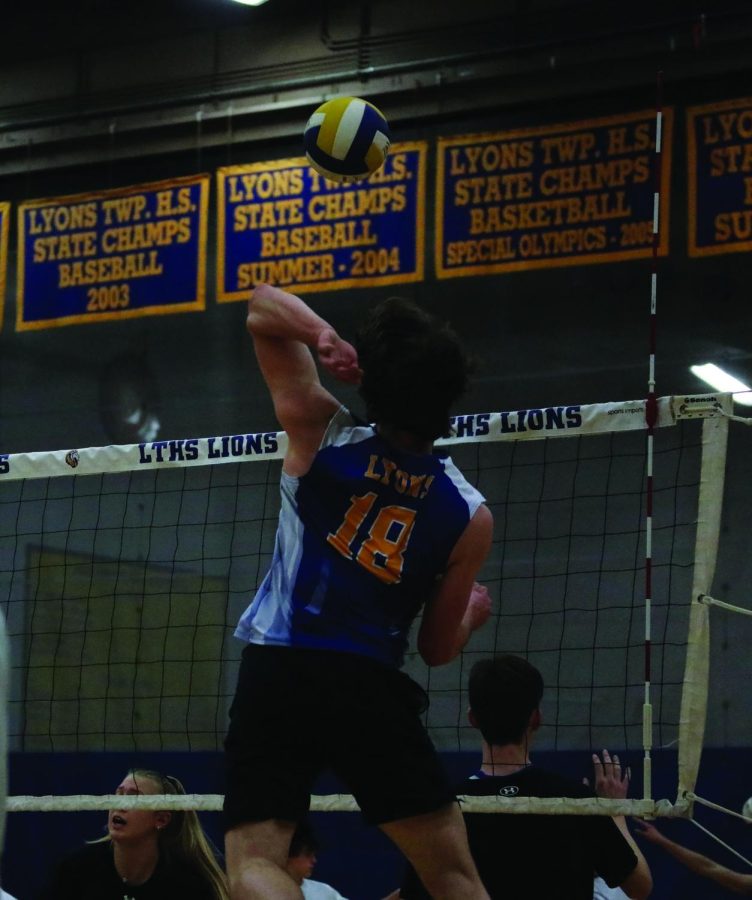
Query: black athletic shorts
299	712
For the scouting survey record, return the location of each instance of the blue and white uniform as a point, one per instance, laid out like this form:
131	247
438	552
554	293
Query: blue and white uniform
361	540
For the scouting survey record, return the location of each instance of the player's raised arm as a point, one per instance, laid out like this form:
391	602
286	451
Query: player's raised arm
286	332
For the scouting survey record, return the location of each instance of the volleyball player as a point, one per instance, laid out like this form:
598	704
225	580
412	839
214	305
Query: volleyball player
538	857
374	526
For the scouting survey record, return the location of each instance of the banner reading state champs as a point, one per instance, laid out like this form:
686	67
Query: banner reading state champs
719	172
283	223
115	254
556	195
4	219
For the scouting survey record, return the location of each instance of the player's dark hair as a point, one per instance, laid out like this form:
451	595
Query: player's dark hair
303	840
414	368
504	691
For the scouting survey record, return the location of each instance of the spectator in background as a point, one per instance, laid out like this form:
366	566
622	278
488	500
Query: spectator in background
303	850
532	856
146	855
736	882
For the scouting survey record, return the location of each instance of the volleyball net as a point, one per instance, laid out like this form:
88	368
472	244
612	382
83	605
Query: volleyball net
124	569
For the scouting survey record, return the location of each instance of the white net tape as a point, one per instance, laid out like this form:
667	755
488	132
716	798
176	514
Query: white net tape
345	803
521	425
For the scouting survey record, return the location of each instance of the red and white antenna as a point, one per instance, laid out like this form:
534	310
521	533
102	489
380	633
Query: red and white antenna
651	417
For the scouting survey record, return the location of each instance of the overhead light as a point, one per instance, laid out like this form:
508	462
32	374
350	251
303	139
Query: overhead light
251	2
722	381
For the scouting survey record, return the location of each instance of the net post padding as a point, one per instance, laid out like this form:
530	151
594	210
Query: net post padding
697	661
4	677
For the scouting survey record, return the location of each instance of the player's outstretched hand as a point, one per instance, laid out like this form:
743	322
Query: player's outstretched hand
610	779
338	357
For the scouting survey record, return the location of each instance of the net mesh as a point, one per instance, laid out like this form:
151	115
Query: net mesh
567	575
122	588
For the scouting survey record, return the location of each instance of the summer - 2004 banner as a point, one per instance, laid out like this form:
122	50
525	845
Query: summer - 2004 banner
555	195
114	254
719	173
283	223
4	220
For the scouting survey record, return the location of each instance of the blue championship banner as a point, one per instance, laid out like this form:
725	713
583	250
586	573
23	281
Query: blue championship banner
282	223
115	254
719	174
556	195
4	220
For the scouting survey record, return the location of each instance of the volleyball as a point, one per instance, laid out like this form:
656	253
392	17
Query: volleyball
346	139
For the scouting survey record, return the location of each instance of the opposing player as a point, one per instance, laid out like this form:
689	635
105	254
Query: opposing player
374	526
535	856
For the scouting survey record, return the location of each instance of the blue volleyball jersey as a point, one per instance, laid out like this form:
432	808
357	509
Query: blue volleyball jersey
362	538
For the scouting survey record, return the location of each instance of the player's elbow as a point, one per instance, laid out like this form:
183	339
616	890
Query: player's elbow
639	885
431	658
256	302
434	654
252	317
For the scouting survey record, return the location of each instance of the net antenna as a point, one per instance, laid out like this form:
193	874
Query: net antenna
651	416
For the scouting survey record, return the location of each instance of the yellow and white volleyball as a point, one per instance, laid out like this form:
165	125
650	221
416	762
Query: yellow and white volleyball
346	139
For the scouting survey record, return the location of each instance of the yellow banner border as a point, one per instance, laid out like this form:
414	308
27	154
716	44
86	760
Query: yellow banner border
198	305
4	230
337	284
692	113
560	262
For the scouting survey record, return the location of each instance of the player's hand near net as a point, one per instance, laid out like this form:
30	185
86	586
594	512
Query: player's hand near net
478	609
611	780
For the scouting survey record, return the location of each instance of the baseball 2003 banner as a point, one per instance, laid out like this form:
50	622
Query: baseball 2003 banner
114	254
281	222
554	195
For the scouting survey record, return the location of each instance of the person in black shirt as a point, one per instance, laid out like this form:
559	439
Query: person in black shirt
539	857
146	855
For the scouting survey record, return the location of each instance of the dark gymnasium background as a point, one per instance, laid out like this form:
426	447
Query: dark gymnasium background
98	95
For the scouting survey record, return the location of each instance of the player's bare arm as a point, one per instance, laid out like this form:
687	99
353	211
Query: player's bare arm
285	331
459	604
738	882
611	780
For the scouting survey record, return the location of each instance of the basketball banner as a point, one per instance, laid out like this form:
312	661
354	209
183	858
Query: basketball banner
114	254
4	220
719	176
283	223
555	195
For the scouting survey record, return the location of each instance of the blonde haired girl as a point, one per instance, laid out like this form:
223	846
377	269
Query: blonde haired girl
146	854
